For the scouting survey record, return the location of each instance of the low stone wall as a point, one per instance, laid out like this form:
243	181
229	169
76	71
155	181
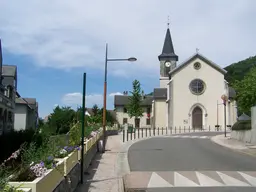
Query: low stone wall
247	136
71	181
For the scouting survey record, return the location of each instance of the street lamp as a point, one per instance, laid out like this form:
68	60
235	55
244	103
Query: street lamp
224	99
131	59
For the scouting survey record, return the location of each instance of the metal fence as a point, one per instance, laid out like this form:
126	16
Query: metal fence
131	133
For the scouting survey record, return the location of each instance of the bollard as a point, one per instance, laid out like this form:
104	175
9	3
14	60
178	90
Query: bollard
150	132
127	136
123	135
142	132
162	130
135	133
189	129
184	129
131	134
166	131
146	132
154	131
209	128
158	130
179	129
175	130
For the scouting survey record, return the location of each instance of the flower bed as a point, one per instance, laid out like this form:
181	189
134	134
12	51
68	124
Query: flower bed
45	175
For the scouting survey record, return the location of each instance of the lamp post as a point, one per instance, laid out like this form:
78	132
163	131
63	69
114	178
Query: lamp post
131	59
224	99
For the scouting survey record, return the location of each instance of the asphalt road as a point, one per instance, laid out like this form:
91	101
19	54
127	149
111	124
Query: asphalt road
188	154
185	154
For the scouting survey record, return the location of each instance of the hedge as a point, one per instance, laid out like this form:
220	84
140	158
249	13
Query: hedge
242	125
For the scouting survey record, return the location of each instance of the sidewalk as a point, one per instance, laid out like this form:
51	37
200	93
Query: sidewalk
103	170
234	144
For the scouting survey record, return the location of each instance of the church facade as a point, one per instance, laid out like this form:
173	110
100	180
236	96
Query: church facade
190	94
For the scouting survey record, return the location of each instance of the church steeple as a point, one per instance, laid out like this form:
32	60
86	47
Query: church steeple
168	50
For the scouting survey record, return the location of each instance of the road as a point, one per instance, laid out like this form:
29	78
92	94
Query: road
192	161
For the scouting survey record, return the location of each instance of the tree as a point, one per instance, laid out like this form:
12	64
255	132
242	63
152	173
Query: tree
95	110
134	108
61	119
246	91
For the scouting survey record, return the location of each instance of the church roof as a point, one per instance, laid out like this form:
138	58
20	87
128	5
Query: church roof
122	100
197	55
168	50
160	93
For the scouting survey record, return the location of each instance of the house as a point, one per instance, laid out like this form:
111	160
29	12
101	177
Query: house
10	101
8	86
122	117
190	94
26	113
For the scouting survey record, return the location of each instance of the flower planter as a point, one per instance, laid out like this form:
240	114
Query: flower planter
70	161
46	183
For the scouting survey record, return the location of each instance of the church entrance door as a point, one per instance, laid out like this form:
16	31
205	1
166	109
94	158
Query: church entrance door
197	118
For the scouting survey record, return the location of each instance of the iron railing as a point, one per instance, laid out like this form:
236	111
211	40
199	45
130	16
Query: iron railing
132	133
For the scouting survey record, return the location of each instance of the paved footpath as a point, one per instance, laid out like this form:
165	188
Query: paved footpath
103	175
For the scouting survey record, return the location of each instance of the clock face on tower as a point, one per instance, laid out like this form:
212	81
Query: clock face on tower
167	64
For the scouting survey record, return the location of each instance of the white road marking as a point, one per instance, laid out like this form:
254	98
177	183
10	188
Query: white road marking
180	180
207	181
157	181
249	178
230	181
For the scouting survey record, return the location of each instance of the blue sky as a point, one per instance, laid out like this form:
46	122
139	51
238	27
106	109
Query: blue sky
54	42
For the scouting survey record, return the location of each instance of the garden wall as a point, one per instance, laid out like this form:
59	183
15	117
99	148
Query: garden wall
66	176
247	136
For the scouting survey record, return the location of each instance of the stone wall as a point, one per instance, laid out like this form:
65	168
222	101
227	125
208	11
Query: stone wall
247	136
71	181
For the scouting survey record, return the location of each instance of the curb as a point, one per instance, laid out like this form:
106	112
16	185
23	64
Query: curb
214	140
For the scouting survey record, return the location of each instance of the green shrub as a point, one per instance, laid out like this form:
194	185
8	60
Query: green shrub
242	125
14	139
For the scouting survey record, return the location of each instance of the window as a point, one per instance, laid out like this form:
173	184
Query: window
125	110
148	110
125	120
148	121
197	86
197	65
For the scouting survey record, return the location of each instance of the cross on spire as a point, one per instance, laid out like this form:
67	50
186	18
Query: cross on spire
197	50
168	21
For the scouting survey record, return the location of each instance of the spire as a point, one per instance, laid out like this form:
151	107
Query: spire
168	50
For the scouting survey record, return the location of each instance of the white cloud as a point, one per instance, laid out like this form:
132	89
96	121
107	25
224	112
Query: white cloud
70	34
75	99
113	94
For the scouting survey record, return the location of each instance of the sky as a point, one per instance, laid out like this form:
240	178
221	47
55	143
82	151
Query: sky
53	42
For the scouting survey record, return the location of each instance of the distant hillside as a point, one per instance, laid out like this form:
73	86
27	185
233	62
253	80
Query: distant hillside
237	71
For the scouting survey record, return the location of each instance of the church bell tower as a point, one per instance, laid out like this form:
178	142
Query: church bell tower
168	59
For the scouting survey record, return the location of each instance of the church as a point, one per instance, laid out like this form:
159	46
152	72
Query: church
190	94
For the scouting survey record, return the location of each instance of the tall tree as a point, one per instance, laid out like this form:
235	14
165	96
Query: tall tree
134	108
95	110
61	119
246	91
